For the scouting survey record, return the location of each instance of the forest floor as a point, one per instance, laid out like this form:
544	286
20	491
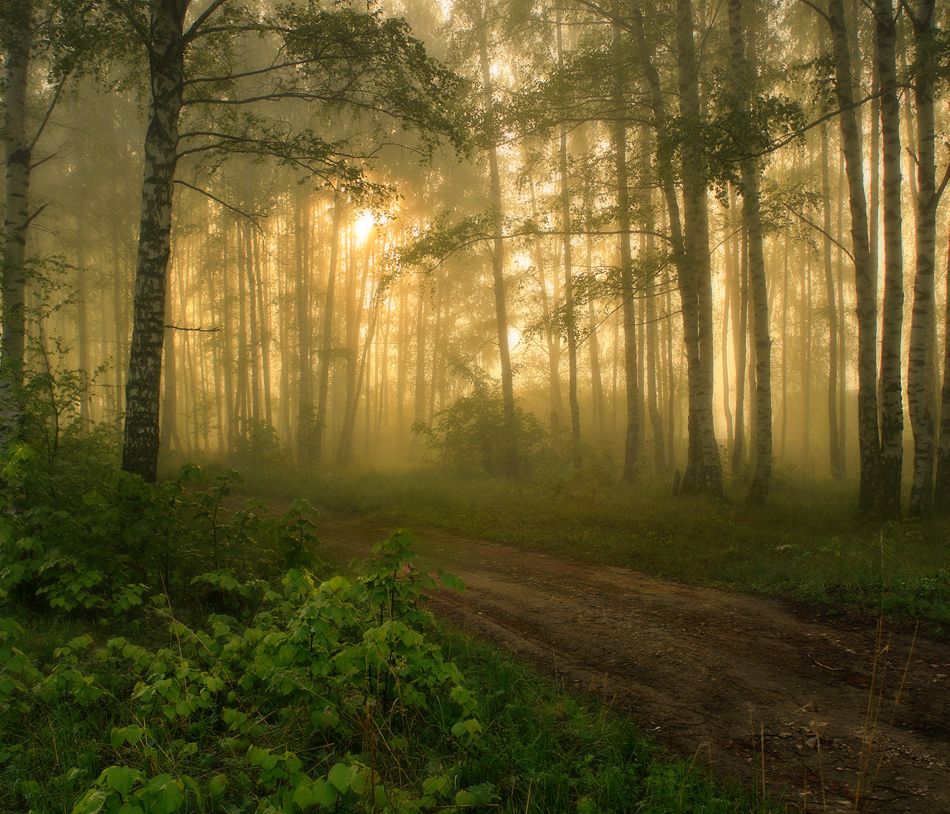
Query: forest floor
761	690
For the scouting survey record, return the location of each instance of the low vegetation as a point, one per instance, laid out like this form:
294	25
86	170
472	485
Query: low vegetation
163	651
808	545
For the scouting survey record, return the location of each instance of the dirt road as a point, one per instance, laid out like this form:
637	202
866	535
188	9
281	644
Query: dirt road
751	686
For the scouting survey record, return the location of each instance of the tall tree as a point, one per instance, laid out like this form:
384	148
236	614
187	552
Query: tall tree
492	134
358	60
704	471
166	60
920	368
570	322
743	87
892	404
869	443
628	303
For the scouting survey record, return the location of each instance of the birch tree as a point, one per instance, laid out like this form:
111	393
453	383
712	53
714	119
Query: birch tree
743	87
341	59
869	443
892	406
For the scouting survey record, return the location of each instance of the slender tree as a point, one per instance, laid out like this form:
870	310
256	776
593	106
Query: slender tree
892	406
704	471
743	73
628	303
869	443
920	368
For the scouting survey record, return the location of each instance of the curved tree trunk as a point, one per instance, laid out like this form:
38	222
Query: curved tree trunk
645	53
166	71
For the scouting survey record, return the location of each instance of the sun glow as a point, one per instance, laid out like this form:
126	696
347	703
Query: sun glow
363	225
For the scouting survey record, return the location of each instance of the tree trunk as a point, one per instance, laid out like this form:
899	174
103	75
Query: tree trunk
696	286
920	370
571	320
682	261
326	344
891	394
741	345
302	303
942	486
512	465
649	294
17	36
628	304
834	442
166	73
83	339
743	75
865	278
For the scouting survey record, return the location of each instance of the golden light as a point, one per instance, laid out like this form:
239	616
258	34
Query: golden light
514	337
363	226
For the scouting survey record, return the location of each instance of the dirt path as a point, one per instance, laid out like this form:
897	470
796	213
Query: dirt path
712	674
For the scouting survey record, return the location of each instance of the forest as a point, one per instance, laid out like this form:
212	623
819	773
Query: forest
475	405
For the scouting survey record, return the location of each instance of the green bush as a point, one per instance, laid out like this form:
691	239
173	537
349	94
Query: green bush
471	434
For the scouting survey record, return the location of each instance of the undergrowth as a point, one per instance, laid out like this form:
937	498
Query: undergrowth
162	650
808	544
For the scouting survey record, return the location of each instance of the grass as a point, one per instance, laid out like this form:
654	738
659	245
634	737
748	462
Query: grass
542	750
807	544
550	751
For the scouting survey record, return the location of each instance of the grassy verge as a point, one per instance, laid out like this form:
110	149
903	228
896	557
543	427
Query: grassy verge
807	544
540	750
163	652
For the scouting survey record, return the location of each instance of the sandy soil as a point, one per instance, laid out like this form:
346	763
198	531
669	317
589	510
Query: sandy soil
752	687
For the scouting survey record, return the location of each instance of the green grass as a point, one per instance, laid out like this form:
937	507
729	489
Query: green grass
541	750
549	751
808	543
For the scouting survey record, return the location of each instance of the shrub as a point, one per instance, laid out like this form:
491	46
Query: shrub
471	434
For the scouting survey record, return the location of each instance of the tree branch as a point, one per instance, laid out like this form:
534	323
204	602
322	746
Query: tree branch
49	111
253	218
212	330
817	228
201	19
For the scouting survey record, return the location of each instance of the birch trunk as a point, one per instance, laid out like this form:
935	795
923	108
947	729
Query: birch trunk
571	321
511	463
698	289
302	301
865	279
683	270
326	342
17	37
920	370
743	75
834	442
628	304
892	406
142	394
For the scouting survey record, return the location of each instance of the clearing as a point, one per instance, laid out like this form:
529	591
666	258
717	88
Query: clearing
758	689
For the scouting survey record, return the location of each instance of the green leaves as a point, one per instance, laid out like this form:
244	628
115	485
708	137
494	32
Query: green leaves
278	704
130	735
115	792
319	793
